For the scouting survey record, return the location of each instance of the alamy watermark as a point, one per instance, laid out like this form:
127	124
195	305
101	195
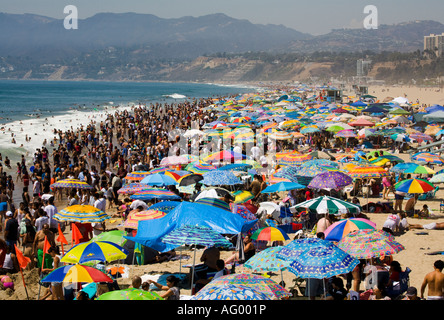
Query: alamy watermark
71	20
371	20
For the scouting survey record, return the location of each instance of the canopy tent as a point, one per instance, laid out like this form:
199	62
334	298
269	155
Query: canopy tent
150	232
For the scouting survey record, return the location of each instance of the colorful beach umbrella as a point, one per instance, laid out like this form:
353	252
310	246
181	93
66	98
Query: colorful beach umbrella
115	236
94	251
190	179
367	244
132	188
270	234
294	248
341	228
132	221
130	294
77	273
367	172
257	282
267	260
137	175
428	158
230	292
81	213
294	159
71	183
199	167
155	193
414	186
215	202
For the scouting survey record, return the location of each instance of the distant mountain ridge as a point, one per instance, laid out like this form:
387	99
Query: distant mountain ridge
186	37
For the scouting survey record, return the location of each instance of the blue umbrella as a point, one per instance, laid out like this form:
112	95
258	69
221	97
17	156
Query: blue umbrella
216	177
159	180
236	166
296	247
323	262
282	186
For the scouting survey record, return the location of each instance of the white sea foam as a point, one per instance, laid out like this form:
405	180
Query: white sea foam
175	96
40	128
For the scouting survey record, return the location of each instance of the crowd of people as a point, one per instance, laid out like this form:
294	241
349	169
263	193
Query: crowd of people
102	154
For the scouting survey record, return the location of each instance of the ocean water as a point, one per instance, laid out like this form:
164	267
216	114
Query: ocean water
35	108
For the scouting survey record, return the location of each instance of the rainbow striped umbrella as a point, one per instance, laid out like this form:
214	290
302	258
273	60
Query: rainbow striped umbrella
137	175
71	183
75	273
294	159
155	193
270	234
215	202
135	216
414	186
341	228
199	167
81	213
428	157
368	172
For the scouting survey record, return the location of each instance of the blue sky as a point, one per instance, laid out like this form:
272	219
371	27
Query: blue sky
314	16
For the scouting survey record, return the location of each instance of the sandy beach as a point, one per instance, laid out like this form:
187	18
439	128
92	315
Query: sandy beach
415	256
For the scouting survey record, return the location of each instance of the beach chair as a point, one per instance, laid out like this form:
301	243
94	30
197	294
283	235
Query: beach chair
428	195
399	287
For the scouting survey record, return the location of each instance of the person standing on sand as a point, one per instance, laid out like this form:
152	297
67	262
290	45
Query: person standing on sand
435	281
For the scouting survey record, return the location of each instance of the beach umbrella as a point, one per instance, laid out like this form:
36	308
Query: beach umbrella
418	169
132	221
81	213
257	282
155	193
361	244
189	179
282	186
280	135
177	174
330	180
216	177
368	172
242	196
361	123
195	235
346	134
158	179
137	175
132	188
224	155
341	228
75	273
267	260
437	178
269	234
428	158
71	183
130	294
236	167
400	137
294	248
400	167
326	204
199	167
414	186
221	204
115	236
104	251
323	262
230	292
294	159
420	136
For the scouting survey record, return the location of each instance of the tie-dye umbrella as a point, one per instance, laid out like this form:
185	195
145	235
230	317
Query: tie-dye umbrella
137	175
258	282
230	292
367	244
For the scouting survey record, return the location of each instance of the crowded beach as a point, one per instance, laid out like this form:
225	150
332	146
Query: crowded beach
281	194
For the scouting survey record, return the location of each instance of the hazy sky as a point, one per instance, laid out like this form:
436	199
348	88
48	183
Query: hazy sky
313	16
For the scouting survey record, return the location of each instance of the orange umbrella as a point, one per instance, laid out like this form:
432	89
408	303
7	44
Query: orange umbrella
135	216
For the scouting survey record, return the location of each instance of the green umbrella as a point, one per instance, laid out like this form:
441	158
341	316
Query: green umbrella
114	236
130	294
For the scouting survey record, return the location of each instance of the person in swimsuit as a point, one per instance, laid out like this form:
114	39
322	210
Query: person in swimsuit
435	281
6	282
